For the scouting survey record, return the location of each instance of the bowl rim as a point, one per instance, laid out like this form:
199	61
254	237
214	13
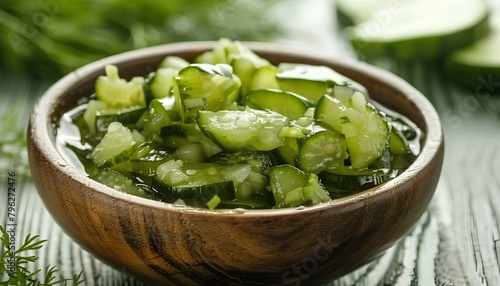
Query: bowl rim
41	122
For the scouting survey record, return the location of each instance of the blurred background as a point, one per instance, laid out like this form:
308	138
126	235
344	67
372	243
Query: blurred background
448	49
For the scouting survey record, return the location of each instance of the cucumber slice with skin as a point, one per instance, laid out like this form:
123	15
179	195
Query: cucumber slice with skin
205	87
398	144
348	179
321	150
286	103
119	182
118	93
116	146
173	62
264	78
176	174
149	158
478	65
197	196
312	81
239	130
260	161
423	29
366	130
127	116
292	187
94	106
159	83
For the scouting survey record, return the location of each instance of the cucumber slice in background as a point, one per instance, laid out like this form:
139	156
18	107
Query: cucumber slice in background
480	61
422	29
352	12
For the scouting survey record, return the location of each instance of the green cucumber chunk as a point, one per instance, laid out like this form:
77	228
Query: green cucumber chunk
366	130
159	83
116	146
239	130
206	87
119	182
260	161
264	78
293	187
173	62
148	157
398	143
118	93
289	104
126	116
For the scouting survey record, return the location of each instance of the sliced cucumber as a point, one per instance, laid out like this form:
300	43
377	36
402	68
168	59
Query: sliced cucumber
227	50
420	29
206	87
175	176
260	161
264	78
173	62
286	103
398	144
478	64
126	116
328	111
94	106
312	81
289	150
348	179
174	136
119	182
148	158
293	187
116	92
159	83
191	153
321	150
366	130
198	196
115	147
239	130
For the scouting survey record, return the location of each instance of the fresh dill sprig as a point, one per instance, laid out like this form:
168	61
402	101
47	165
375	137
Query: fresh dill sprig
14	263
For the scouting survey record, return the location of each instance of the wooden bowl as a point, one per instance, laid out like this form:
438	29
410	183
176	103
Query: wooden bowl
164	244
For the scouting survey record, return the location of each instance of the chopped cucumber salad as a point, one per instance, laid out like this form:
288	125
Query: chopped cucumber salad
232	130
